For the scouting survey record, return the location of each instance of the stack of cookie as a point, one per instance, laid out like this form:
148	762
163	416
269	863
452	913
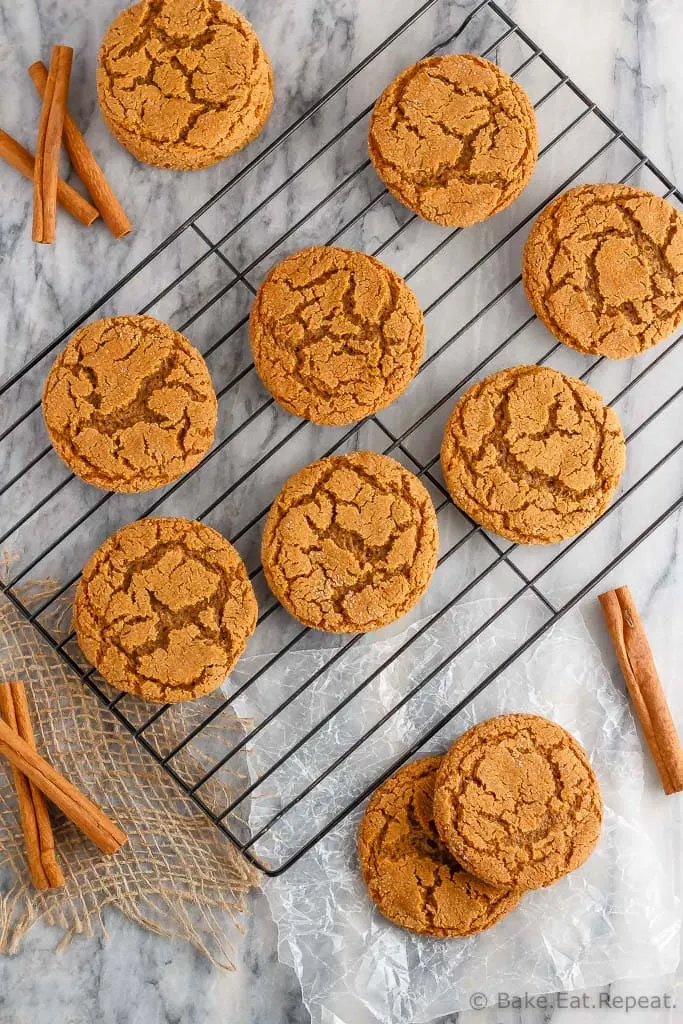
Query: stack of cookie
448	845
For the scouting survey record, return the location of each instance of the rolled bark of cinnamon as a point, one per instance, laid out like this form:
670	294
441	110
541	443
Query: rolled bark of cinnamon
48	147
82	811
45	834
17	156
27	808
644	686
85	164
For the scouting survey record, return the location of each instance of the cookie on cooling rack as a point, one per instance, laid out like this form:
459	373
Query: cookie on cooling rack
532	454
517	803
164	609
336	335
411	876
603	269
454	139
183	83
350	543
129	404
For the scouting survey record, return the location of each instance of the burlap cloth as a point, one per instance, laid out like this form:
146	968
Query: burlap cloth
177	875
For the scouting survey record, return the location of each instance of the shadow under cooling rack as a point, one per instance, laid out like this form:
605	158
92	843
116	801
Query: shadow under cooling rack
324	719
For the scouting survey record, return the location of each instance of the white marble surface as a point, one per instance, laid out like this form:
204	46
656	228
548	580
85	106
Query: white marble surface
624	53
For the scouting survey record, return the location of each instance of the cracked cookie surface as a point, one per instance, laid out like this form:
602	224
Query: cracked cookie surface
335	334
129	404
350	543
517	802
164	609
532	454
454	139
183	83
603	269
411	876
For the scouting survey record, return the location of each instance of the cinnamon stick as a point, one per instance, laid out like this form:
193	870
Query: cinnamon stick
644	686
27	809
48	147
85	164
82	811
13	153
45	833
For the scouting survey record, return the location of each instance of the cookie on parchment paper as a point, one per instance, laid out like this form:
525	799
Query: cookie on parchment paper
517	803
411	876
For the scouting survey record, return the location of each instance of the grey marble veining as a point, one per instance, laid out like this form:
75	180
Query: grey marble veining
135	977
625	54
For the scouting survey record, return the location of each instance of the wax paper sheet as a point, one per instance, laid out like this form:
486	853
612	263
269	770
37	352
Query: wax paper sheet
616	917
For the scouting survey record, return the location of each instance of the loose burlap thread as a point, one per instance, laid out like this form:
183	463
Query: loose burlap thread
176	875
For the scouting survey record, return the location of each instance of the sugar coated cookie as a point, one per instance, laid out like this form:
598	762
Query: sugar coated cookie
164	609
336	335
129	404
532	454
183	83
350	543
603	269
517	802
454	139
411	876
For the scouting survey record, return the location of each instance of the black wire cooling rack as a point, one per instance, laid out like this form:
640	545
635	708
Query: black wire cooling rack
295	759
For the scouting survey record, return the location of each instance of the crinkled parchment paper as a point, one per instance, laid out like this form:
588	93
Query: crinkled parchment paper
616	917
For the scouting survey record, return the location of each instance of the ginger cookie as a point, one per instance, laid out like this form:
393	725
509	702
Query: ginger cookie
336	335
603	269
517	802
350	543
183	83
454	139
164	609
411	876
532	454
129	404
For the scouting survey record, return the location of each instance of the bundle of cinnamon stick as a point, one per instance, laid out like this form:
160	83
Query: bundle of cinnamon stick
34	781
57	126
